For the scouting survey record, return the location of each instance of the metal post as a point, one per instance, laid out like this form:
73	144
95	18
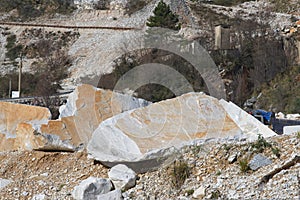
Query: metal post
20	76
9	88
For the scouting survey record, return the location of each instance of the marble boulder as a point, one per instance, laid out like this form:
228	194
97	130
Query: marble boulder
30	128
250	126
11	115
147	137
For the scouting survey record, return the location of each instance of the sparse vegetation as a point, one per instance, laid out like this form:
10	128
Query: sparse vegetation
286	87
276	151
197	149
244	165
13	49
285	6
227	147
135	5
261	144
50	65
101	5
50	72
30	9
180	171
189	192
28	84
153	92
216	194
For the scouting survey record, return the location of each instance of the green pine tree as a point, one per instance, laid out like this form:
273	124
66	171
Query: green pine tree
163	17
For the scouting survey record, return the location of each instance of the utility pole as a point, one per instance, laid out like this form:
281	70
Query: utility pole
20	74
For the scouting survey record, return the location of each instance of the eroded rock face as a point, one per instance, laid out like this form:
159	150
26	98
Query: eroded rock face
151	132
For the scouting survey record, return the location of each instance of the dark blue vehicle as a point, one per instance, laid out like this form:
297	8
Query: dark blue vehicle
268	118
263	116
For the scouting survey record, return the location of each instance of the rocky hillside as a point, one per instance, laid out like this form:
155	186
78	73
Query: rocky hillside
90	54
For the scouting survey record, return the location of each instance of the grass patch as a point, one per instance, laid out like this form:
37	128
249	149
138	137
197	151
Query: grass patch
227	147
261	144
197	148
244	165
180	172
189	192
276	151
216	194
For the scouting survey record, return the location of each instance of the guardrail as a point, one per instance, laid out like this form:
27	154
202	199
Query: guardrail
55	100
68	26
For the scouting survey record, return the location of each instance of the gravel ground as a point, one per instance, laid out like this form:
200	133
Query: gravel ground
55	174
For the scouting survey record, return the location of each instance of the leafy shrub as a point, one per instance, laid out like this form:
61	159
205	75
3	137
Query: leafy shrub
197	149
227	147
13	49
